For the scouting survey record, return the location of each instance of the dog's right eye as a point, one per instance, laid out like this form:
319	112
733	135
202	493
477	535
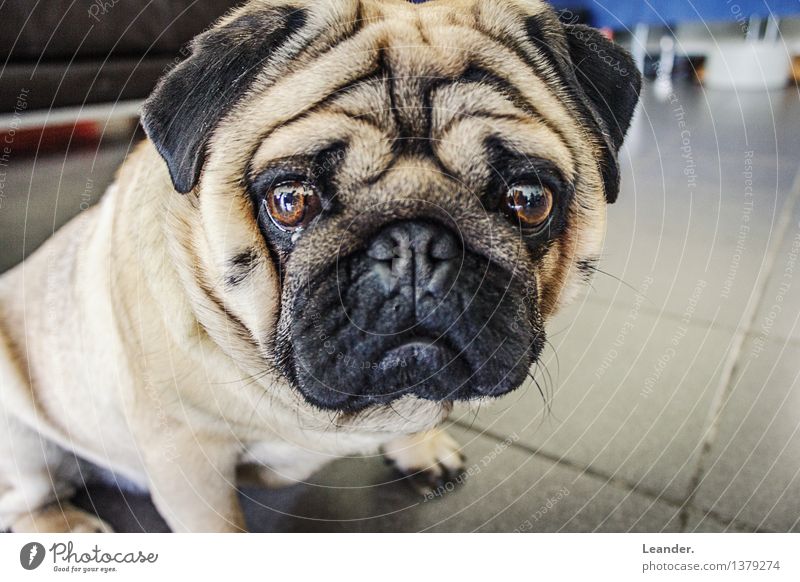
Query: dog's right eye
293	205
529	205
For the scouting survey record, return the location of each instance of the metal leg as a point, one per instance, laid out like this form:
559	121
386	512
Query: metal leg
753	28
639	46
773	31
666	63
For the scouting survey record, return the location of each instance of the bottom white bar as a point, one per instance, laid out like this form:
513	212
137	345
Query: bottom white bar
389	557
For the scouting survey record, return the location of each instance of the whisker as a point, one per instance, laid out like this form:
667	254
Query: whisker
596	269
398	414
541	392
555	354
475	414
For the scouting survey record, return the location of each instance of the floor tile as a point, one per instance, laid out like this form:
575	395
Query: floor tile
701	191
507	489
718	122
752	473
699	521
777	317
42	194
631	395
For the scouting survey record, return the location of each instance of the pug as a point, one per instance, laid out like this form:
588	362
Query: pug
348	216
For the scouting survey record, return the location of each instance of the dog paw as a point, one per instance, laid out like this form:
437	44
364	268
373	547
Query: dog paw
64	518
428	461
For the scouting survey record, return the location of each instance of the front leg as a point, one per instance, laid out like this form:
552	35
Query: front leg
429	460
193	484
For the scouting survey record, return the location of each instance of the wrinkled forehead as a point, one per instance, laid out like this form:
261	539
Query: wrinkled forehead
439	78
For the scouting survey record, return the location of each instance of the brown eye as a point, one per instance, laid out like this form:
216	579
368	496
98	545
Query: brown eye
529	204
293	205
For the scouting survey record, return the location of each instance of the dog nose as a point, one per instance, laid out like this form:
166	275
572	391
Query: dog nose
421	255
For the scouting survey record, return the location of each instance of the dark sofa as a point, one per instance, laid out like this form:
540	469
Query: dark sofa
70	53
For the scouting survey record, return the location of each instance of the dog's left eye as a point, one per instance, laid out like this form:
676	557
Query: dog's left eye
293	205
529	205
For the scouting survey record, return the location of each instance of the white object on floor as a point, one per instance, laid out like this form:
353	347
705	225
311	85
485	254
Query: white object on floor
747	66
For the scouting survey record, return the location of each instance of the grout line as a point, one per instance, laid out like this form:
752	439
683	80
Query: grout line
733	363
699	322
667	315
561	461
607	479
652	308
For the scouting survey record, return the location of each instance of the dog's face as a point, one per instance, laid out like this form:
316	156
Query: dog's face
395	197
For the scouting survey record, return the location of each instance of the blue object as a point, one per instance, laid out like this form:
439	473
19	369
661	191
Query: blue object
625	14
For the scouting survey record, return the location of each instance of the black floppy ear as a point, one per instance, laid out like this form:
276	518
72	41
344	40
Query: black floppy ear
608	75
611	81
189	102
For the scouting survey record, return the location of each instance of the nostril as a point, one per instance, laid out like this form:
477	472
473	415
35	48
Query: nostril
413	247
381	249
445	247
442	277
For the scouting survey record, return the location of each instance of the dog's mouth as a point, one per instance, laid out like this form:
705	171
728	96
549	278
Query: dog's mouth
447	327
428	368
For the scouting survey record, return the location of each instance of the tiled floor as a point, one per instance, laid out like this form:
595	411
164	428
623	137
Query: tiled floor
675	398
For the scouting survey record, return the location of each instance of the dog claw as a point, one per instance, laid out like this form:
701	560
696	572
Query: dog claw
427	462
427	482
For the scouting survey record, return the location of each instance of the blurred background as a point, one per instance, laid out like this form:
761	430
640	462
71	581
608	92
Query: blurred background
669	399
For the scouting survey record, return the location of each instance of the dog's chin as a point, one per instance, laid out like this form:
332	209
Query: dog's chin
423	370
407	414
445	368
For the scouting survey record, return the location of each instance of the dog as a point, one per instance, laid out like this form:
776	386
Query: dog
346	217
